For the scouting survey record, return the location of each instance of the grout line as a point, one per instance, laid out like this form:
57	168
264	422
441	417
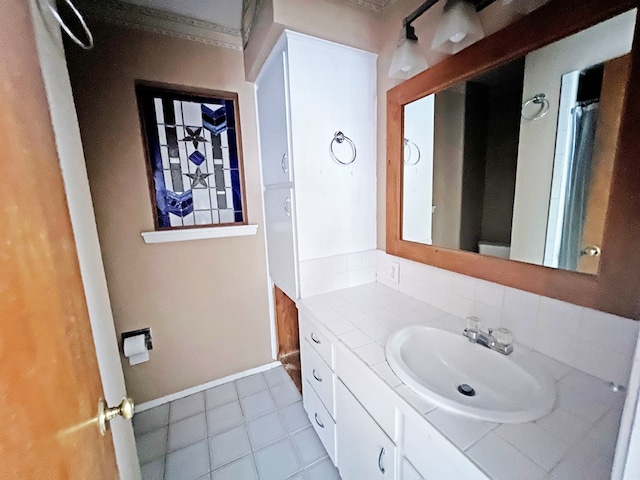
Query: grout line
205	386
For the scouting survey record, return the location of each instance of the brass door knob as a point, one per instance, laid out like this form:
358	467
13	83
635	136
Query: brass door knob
106	413
591	251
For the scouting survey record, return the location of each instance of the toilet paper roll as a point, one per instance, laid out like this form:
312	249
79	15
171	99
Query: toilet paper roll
135	349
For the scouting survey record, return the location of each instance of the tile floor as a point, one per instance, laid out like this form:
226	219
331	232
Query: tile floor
252	429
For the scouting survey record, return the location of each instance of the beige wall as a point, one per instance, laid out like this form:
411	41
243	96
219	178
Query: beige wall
205	301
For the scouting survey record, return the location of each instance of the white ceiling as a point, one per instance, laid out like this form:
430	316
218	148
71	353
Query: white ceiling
227	13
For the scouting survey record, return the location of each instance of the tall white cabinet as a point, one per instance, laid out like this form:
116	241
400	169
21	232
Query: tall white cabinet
316	208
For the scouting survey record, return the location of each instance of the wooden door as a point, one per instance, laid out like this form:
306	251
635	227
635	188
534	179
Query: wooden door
614	86
49	379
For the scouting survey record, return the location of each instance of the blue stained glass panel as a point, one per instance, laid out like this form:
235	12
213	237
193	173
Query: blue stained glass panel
163	110
197	157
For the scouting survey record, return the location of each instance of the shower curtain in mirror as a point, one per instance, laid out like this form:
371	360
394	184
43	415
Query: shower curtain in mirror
585	119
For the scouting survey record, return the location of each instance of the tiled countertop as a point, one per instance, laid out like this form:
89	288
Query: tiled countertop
575	441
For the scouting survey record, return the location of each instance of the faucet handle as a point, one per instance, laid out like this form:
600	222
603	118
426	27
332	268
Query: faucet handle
473	324
503	336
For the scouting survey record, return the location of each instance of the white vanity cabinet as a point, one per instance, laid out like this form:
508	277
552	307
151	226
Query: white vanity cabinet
364	450
318	383
368	430
308	90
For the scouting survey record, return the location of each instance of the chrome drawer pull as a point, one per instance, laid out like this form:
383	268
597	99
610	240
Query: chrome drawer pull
284	164
380	464
316	376
315	339
320	424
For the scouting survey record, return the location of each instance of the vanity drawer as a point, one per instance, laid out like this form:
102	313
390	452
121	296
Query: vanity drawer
322	422
318	374
316	339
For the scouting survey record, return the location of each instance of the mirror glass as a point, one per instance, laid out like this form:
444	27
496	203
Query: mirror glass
517	161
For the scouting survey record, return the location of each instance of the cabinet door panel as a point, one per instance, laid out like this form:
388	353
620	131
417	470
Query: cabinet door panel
272	96
364	450
333	88
281	251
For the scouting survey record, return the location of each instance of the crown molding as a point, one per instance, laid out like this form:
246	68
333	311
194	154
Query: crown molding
164	23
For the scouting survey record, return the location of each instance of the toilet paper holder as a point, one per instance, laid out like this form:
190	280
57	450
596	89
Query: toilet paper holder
147	336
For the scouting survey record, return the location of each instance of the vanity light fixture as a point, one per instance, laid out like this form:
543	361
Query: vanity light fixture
407	59
459	27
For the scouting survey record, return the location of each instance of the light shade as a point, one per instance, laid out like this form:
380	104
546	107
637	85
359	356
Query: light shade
459	27
407	60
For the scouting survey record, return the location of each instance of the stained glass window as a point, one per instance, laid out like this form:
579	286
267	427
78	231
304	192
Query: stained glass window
193	156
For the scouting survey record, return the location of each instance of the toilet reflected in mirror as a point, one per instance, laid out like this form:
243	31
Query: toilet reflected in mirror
517	161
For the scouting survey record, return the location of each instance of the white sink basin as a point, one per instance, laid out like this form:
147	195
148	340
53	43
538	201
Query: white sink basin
435	362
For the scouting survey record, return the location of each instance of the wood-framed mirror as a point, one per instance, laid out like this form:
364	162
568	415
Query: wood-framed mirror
611	281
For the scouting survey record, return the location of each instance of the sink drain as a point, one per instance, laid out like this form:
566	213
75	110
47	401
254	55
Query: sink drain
466	390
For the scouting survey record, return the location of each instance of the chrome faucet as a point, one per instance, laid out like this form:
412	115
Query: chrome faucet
501	342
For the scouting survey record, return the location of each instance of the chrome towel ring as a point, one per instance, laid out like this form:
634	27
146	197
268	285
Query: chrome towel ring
340	137
538	99
408	147
76	12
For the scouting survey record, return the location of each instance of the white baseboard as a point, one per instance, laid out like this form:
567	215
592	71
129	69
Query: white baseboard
201	388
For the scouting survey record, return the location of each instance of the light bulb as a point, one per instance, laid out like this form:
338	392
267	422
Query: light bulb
458	37
406	69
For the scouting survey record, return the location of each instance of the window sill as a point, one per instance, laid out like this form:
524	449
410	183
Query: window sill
183	235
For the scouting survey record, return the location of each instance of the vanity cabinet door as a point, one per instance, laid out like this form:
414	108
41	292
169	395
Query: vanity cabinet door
279	228
272	97
364	450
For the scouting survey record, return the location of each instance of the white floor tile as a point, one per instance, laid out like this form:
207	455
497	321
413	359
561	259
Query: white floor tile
323	470
153	470
241	469
252	384
299	476
277	461
186	407
285	394
224	417
187	431
151	419
229	446
294	416
216	396
276	376
257	404
309	446
152	444
265	430
188	463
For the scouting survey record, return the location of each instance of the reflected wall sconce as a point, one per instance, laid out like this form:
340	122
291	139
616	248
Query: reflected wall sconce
460	27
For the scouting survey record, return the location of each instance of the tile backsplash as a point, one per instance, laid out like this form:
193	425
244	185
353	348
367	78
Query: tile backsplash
595	342
327	274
